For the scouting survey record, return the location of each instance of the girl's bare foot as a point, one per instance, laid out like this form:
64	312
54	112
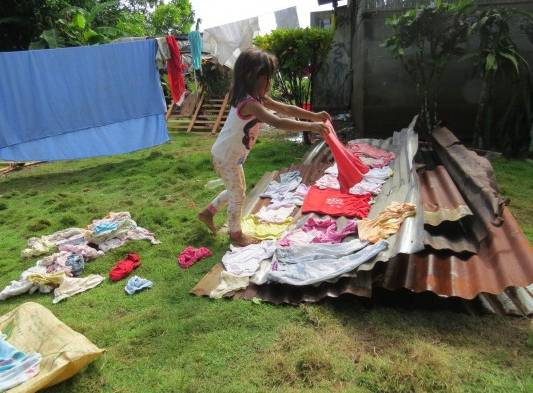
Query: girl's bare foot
207	218
239	239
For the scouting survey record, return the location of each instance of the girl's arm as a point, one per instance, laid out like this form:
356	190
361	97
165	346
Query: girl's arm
294	111
257	110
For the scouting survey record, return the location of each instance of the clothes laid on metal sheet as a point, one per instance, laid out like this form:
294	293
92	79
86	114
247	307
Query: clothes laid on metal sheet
315	263
386	223
318	231
195	43
288	182
227	41
275	215
78	102
287	18
351	169
335	203
176	81
370	184
253	226
291	198
136	284
371	156
244	261
16	367
190	255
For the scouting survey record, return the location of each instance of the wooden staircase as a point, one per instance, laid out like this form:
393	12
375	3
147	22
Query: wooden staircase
208	116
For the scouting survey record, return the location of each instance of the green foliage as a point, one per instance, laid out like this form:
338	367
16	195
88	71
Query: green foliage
499	63
215	78
175	17
300	53
425	39
133	24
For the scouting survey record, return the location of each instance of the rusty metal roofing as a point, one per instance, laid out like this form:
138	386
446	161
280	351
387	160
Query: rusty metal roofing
504	259
473	176
441	202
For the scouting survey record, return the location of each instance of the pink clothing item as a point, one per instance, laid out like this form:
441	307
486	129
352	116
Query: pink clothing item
318	231
191	255
88	253
351	169
370	155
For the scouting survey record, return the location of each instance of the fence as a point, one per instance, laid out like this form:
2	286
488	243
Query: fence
393	5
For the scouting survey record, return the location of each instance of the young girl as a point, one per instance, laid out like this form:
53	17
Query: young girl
249	107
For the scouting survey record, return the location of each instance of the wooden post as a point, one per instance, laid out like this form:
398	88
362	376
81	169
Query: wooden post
198	106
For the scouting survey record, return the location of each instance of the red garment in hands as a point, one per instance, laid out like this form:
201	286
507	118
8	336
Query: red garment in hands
335	203
176	81
351	169
125	266
191	255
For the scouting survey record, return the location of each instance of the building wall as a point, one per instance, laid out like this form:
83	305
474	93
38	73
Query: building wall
332	85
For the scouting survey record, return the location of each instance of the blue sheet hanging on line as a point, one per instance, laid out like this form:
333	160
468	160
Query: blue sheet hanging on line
195	42
71	103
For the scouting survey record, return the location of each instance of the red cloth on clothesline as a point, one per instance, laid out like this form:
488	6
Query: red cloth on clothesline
176	80
335	203
351	169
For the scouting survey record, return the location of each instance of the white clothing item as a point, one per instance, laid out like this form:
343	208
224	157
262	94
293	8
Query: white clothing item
372	181
300	237
287	18
244	261
22	285
227	41
260	276
71	286
229	282
332	170
237	137
328	181
291	198
288	181
88	253
275	215
316	263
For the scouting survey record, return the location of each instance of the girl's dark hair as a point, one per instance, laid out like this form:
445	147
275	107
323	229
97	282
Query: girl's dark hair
250	65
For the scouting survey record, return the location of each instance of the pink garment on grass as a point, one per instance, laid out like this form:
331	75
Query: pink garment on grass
318	231
371	156
191	255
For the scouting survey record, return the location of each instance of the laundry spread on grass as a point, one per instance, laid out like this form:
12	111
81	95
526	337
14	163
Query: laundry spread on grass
64	254
315	232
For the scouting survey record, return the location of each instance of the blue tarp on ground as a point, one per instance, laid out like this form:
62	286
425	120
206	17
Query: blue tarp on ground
80	102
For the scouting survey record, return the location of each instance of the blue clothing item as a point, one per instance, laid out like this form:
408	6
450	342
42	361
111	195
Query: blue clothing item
16	367
195	42
80	102
104	227
76	263
137	283
315	263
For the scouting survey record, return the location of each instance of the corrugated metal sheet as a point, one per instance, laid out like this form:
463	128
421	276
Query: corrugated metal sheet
441	202
401	187
504	260
473	176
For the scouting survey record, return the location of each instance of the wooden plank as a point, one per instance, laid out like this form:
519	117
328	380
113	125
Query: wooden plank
220	113
169	111
198	106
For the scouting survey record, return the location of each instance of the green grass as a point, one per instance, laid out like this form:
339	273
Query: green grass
165	340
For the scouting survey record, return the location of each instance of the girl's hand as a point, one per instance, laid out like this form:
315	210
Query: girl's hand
320	128
322	116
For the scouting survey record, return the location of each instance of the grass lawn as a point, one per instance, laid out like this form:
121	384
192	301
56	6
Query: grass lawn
165	340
